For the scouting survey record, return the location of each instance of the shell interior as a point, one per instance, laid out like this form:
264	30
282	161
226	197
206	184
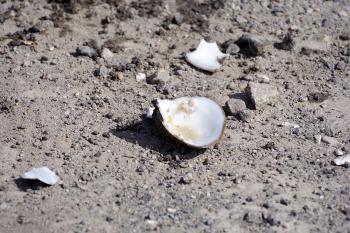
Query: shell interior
196	121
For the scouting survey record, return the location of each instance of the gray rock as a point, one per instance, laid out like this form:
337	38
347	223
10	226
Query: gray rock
332	127
186	179
161	77
252	217
234	106
330	140
312	46
287	43
246	115
257	45
102	71
326	22
318	138
278	10
42	26
232	49
86	51
261	94
340	65
106	54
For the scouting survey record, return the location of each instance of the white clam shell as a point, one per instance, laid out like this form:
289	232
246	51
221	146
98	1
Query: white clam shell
196	121
207	56
44	174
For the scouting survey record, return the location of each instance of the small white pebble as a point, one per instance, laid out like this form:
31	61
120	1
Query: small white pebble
140	76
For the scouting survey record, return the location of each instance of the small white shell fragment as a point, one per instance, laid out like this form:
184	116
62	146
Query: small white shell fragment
341	160
206	56
287	124
44	174
149	112
140	76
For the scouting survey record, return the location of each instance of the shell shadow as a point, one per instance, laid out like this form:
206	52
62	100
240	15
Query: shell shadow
142	133
25	184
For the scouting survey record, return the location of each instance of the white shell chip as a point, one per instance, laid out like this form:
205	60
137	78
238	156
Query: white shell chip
207	56
44	174
341	160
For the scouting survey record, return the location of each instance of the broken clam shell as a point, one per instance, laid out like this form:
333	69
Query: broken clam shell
207	56
198	122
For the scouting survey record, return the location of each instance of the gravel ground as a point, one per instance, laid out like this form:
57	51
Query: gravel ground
70	100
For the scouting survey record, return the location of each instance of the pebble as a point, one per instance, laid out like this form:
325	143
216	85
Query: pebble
246	115
340	65
161	76
332	127
326	23
345	36
230	47
312	46
42	26
102	71
86	51
330	140
287	43
186	179
107	54
257	45
140	77
261	78
318	138
338	152
278	10
261	94
252	217
342	160
234	106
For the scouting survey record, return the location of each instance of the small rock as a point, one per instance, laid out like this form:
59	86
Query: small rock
318	138
330	140
278	10
257	45
261	94
246	115
162	76
261	78
332	127
106	54
317	97
230	47
326	23
102	71
86	51
313	46
342	160
345	36
186	179
284	201
178	19
287	43
234	106
42	26
338	152
252	217
340	65
140	77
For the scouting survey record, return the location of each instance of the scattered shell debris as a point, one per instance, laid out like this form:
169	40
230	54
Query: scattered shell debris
342	160
207	56
44	174
198	122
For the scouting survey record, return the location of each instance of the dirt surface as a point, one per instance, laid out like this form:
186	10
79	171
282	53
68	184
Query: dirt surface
83	117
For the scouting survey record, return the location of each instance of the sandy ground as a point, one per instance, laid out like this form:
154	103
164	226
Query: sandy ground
83	117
